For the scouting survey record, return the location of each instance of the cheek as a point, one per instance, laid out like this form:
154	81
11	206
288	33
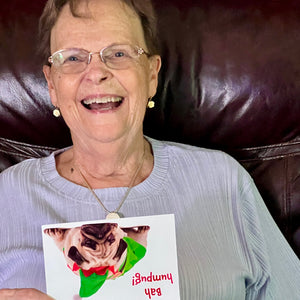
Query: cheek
65	88
136	80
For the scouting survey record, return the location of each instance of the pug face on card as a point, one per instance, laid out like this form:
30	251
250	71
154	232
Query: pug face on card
98	252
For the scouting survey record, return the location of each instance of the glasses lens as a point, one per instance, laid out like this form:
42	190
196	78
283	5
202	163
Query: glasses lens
120	56
71	60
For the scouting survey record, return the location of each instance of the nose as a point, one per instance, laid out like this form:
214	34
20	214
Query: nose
97	71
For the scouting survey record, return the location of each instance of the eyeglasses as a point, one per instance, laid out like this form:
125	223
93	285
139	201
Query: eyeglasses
75	60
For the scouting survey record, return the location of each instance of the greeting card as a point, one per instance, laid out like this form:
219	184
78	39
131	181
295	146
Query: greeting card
131	258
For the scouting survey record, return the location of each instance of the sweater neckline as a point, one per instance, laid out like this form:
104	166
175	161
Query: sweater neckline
151	184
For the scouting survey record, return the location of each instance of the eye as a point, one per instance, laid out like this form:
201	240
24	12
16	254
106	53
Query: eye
119	54
72	58
75	58
111	239
89	243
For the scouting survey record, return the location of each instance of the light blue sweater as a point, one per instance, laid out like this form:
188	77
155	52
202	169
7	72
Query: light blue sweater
229	248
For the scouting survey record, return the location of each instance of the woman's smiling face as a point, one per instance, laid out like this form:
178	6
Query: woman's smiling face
123	93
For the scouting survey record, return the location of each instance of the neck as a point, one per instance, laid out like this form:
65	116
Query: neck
106	164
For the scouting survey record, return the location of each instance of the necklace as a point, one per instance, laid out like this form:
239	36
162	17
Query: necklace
115	213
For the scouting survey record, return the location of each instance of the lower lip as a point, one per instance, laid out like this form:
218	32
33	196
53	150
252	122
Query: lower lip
103	108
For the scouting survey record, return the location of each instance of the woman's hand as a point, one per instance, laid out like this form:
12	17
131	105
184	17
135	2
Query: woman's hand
23	294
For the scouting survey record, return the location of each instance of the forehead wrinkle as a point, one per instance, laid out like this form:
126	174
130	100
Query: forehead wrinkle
101	23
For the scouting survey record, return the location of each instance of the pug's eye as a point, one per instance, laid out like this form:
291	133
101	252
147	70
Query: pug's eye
89	243
110	239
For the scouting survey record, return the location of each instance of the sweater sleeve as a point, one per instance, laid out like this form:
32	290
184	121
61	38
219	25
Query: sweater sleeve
275	267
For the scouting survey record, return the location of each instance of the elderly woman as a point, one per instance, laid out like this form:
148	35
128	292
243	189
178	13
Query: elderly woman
102	72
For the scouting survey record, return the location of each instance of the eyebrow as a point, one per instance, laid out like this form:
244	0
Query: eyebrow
110	45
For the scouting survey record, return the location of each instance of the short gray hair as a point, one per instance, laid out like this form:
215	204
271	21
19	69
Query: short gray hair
143	8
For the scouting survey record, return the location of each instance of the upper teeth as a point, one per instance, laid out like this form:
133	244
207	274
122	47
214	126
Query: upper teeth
102	100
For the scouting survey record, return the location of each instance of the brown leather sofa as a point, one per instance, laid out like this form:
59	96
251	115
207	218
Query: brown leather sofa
230	80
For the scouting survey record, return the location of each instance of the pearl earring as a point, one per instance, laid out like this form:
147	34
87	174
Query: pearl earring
56	112
151	103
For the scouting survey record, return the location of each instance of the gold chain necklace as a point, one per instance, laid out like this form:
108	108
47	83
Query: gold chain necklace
115	213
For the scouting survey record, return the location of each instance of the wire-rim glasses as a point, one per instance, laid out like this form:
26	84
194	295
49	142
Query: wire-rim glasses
76	60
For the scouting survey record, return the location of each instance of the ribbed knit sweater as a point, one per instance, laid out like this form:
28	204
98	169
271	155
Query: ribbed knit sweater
228	246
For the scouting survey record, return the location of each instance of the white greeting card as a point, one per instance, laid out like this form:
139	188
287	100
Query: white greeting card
128	258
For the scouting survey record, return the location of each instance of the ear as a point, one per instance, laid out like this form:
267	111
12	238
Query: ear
48	75
56	233
155	64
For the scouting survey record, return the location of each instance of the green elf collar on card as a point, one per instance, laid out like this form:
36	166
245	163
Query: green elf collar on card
92	280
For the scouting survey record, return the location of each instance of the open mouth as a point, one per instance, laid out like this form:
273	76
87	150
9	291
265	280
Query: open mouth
103	103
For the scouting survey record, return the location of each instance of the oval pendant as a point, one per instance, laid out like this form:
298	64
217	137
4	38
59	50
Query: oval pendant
112	215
